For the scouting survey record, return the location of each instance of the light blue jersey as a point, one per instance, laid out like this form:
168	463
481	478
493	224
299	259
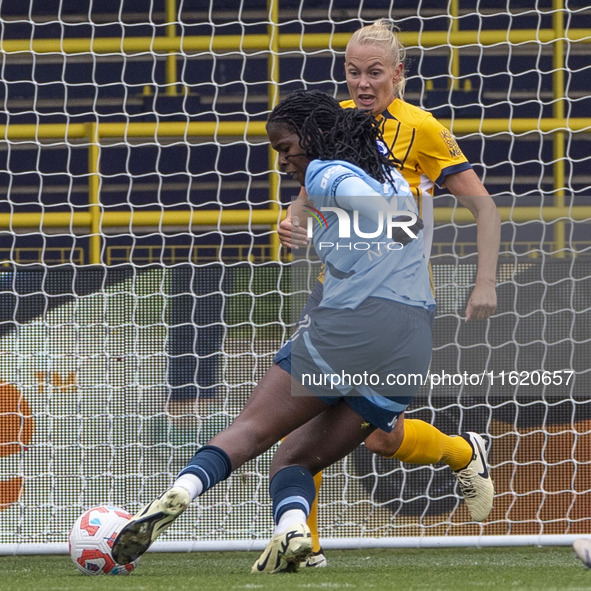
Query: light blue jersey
367	262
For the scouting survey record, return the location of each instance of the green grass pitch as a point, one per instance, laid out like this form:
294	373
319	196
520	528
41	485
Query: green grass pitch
404	570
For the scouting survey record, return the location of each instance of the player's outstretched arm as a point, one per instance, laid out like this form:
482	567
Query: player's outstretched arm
470	192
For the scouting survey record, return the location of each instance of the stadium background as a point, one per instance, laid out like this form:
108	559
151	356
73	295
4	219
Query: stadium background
142	267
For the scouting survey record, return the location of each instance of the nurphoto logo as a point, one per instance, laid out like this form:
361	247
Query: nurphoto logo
389	223
390	219
317	215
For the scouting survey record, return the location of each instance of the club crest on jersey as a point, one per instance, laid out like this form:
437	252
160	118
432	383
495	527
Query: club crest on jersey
382	148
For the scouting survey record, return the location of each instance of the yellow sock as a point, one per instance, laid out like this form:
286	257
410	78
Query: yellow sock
313	517
424	444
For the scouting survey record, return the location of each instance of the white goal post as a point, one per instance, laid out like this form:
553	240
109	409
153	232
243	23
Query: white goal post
143	291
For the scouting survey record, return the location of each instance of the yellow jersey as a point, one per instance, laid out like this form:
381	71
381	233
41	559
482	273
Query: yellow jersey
423	150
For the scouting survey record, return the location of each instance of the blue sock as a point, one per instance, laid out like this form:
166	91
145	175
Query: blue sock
210	464
292	488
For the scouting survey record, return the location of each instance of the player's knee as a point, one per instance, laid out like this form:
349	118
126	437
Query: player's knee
248	436
383	444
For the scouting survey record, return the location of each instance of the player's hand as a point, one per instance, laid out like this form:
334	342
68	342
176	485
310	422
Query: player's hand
291	233
399	235
482	302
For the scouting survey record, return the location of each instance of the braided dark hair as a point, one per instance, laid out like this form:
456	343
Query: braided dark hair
329	132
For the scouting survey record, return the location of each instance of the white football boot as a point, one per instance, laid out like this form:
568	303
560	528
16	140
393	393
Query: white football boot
315	560
285	552
144	527
475	482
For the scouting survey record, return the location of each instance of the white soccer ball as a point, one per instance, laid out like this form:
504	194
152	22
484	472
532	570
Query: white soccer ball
91	540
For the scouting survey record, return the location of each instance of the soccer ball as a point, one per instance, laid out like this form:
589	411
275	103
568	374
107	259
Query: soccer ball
91	540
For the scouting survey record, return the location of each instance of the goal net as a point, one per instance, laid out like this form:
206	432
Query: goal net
144	293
